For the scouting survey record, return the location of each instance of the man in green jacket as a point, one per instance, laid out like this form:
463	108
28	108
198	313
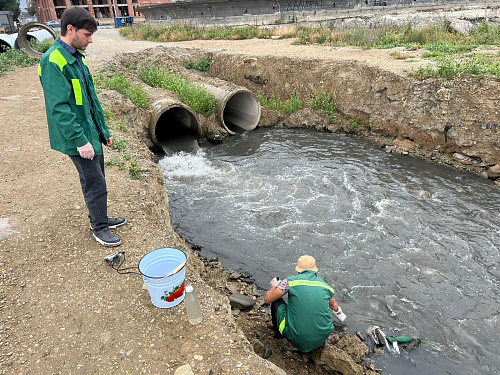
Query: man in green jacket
75	117
305	321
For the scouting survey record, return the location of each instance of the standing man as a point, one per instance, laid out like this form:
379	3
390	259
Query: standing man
75	117
305	321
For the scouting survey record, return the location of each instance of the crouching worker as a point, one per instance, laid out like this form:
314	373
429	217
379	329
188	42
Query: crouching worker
305	321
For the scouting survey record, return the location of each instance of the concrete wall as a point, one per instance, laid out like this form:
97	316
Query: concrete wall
231	9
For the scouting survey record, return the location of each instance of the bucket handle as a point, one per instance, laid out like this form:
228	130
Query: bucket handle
117	260
159	278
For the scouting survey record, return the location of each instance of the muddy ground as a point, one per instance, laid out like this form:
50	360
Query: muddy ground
62	309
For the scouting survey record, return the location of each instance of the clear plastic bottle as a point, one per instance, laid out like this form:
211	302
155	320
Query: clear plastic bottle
193	308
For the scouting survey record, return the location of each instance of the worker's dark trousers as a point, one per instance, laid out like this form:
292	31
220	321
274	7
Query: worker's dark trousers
94	189
274	309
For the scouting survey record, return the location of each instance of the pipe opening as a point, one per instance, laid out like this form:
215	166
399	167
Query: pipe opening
241	112
175	129
4	46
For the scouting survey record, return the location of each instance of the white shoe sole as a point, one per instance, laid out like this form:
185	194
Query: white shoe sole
107	244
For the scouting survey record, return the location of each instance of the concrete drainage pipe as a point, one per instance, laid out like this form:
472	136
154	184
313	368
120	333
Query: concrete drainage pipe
37	31
174	126
238	110
7	41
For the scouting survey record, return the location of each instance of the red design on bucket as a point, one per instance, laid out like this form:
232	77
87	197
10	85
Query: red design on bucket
176	293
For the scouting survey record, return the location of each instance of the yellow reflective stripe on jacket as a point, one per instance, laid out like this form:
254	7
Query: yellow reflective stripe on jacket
58	58
310	283
77	89
282	326
39	70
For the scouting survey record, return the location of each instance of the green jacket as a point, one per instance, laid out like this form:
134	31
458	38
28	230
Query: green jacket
306	321
68	109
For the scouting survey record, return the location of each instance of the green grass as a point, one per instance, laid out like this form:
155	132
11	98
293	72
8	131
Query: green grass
449	67
202	64
126	160
192	94
119	145
173	33
355	124
122	125
42	46
10	59
108	115
117	81
135	170
324	101
290	105
118	162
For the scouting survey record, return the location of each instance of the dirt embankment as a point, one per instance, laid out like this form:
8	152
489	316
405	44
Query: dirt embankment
62	310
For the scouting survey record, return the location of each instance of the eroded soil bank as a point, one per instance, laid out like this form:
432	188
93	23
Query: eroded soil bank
453	122
62	310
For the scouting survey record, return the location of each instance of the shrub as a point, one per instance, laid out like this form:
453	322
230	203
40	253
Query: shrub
12	58
202	64
42	46
118	82
290	105
192	94
324	101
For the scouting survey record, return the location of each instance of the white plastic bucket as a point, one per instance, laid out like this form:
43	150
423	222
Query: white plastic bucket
165	291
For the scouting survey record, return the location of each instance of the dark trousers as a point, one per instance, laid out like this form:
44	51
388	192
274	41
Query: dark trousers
274	310
94	189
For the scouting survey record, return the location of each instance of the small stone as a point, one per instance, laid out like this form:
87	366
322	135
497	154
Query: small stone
267	353
184	370
235	275
494	171
241	301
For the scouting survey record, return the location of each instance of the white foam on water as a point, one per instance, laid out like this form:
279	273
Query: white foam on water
185	165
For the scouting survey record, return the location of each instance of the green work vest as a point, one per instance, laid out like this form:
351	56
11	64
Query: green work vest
68	109
306	321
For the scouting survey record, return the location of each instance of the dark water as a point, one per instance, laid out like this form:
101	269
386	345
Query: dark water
408	246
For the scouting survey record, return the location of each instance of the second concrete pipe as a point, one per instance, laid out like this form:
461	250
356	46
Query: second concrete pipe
237	111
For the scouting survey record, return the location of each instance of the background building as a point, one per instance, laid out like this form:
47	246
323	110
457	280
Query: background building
103	10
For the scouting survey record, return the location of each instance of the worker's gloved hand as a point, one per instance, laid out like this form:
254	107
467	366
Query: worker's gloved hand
86	151
339	314
275	282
